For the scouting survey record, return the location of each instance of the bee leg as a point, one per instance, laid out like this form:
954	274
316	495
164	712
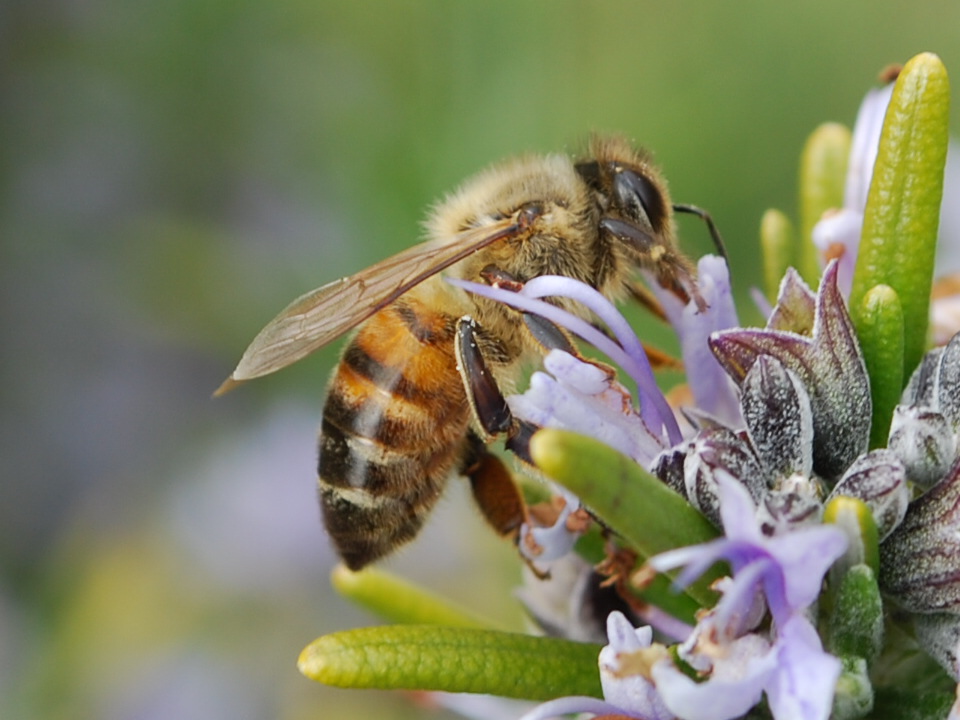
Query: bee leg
642	295
711	227
489	407
550	336
494	490
498	496
673	271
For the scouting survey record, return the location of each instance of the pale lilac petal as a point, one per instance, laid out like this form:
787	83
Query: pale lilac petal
578	326
555	541
630	356
737	511
713	390
582	376
730	693
575	704
579	397
948	237
805	556
806	677
634	694
549	285
741	606
653	405
836	230
864	145
623	636
664	623
695	560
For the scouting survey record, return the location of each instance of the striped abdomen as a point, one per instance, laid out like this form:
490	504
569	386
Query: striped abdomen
394	428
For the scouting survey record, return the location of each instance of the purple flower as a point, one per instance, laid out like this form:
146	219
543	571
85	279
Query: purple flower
628	690
713	392
803	684
549	543
579	396
838	234
789	567
626	350
794	671
625	690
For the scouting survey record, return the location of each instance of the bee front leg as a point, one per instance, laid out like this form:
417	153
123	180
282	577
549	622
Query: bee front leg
545	333
673	271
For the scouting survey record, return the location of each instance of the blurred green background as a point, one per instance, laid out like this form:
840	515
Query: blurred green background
174	172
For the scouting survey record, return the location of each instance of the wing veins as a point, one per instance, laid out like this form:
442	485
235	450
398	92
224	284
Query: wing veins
322	315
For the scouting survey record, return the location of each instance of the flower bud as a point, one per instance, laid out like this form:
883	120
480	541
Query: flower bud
783	510
919	390
776	408
924	442
720	449
948	383
878	479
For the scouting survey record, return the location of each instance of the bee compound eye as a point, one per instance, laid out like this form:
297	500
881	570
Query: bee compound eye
638	197
589	171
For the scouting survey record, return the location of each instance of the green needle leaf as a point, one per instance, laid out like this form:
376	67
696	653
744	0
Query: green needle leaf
898	244
777	245
651	517
881	334
856	623
401	601
823	172
416	657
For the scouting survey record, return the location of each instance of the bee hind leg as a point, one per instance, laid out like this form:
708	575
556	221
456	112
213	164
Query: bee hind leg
495	491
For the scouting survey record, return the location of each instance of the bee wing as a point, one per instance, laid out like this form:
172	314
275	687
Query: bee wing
322	315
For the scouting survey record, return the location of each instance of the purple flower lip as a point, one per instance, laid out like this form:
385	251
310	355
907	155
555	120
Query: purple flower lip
791	567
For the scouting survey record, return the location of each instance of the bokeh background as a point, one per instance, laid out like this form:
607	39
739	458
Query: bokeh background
174	172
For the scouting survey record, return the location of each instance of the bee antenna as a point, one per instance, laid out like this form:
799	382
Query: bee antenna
711	226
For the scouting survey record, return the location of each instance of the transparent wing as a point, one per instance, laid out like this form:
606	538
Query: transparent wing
322	315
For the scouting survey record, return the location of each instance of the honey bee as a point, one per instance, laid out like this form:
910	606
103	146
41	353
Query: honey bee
418	392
